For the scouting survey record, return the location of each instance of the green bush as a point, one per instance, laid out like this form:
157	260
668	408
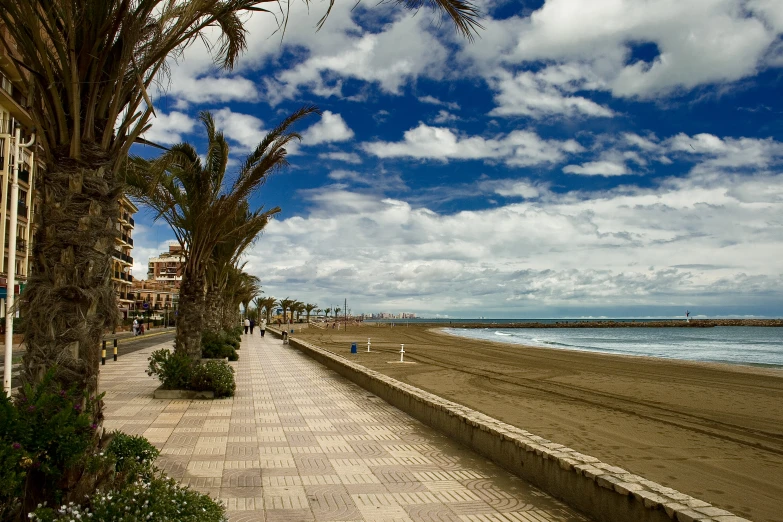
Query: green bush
173	369
47	437
157	499
216	376
131	452
218	345
177	372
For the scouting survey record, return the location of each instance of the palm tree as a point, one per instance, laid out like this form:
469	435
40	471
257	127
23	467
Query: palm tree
309	307
192	198
88	64
241	231
269	304
285	304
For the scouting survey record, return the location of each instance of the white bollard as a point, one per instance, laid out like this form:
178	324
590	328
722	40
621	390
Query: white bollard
402	352
368	345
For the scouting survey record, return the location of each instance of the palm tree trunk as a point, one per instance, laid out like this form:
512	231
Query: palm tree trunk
192	304
69	300
214	307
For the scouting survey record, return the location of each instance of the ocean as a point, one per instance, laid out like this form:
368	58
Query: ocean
755	346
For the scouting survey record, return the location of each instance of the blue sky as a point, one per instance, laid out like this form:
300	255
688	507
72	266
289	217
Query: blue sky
603	158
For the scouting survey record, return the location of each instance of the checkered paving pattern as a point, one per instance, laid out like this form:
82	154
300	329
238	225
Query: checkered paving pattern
300	443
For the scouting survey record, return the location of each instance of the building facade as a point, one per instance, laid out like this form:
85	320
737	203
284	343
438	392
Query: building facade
156	298
13	112
167	267
122	260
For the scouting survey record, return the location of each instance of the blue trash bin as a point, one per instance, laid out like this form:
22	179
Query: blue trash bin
353	348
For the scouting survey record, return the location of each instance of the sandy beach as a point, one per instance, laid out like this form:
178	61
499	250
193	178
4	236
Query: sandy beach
709	430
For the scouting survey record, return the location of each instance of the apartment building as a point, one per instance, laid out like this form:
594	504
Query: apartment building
13	112
159	298
122	261
167	267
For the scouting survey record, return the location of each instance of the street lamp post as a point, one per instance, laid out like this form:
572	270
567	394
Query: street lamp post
11	268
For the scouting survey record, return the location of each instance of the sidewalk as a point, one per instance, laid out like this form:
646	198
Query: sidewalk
300	443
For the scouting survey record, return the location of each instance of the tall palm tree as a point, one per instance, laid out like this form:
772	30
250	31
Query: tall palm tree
88	64
240	232
239	288
309	307
193	198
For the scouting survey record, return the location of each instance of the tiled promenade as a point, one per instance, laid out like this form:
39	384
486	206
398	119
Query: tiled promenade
300	443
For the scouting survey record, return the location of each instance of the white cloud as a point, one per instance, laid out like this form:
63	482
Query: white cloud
684	241
347	157
598	168
699	42
444	117
518	148
540	95
330	128
168	129
432	100
401	51
245	129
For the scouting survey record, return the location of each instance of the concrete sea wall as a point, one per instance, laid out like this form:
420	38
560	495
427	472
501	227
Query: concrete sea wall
605	492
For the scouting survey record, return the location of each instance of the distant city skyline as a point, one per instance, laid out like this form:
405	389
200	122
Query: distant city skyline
578	159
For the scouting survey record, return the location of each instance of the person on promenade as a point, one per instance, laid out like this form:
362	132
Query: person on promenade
252	325
247	325
135	327
262	327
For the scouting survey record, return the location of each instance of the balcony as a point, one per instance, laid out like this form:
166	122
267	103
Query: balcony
125	258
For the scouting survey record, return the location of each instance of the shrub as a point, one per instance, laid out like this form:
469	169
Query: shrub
177	372
131	453
47	438
158	498
173	369
216	376
218	345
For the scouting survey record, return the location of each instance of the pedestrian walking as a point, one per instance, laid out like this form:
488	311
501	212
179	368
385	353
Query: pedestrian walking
247	325
135	327
262	327
252	326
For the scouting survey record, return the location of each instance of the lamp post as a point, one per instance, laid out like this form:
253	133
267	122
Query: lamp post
11	268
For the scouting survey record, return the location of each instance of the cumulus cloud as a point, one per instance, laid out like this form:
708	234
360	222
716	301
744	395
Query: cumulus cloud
432	100
542	94
697	43
330	128
518	148
444	117
244	129
168	129
347	157
624	247
598	168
